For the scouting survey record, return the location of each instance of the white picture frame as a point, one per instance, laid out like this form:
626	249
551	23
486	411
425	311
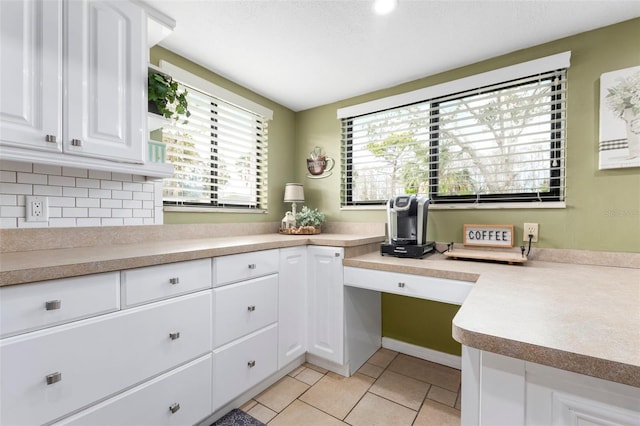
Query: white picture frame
619	142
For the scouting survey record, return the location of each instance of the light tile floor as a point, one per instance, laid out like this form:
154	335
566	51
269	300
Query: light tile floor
390	389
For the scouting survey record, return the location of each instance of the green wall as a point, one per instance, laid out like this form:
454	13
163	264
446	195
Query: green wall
587	222
281	148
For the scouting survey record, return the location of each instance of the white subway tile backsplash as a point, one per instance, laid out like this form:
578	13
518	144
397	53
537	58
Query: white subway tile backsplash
16	166
123	177
122	195
110	184
75	212
107	203
50	191
75	172
78	197
87	183
16	188
87	202
62	181
46	169
32	178
75	192
99	174
8	176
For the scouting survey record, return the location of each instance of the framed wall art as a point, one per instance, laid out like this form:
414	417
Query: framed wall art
620	119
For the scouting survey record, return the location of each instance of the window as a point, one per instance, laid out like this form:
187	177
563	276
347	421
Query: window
503	142
219	154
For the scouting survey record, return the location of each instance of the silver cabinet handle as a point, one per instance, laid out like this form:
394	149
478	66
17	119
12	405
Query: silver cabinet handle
252	266
51	138
401	285
52	305
336	254
53	378
76	142
174	336
174	280
251	364
251	308
174	407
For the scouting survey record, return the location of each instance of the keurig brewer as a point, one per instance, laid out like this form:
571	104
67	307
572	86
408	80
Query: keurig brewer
407	227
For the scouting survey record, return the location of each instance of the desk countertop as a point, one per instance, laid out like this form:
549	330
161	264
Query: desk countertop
580	318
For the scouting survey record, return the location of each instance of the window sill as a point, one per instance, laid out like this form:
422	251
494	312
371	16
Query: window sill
185	209
473	206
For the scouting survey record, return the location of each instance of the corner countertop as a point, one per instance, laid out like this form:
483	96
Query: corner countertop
40	265
580	318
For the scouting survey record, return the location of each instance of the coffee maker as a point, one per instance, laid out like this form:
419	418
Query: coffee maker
407	227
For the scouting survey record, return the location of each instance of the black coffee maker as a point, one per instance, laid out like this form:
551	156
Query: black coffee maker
407	227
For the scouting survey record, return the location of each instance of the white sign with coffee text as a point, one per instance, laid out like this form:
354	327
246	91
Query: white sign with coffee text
488	235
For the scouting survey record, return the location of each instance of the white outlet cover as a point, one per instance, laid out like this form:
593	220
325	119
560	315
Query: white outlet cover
33	216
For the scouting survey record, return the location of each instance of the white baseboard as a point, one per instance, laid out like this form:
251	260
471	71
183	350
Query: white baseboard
438	357
343	370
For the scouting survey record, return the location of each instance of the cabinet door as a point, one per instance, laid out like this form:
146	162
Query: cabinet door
326	303
30	81
104	107
292	311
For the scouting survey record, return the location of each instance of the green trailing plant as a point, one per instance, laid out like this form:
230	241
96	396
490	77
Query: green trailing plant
163	92
308	217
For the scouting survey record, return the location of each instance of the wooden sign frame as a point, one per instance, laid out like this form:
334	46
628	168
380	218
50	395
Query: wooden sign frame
488	236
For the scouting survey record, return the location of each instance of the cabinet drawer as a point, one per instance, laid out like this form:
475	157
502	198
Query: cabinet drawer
180	397
151	283
28	307
430	288
243	266
244	363
97	357
242	308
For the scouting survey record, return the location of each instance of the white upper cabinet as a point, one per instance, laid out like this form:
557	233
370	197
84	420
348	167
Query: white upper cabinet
73	81
30	78
105	80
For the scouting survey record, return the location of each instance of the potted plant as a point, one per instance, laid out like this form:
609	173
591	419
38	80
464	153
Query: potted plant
164	96
624	100
309	221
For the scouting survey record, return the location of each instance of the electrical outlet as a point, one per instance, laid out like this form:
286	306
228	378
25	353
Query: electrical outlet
530	229
37	209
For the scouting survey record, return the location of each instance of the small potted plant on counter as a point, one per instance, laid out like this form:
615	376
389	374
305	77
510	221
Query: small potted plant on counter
309	221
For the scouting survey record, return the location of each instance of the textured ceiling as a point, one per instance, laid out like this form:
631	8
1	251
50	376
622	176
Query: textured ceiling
306	53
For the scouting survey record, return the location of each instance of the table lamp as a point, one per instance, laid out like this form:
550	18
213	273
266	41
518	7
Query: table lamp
293	193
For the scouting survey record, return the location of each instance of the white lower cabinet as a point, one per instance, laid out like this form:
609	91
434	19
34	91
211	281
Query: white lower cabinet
292	306
244	363
49	373
326	303
500	390
180	397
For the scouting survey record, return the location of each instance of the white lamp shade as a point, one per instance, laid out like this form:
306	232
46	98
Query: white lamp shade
293	193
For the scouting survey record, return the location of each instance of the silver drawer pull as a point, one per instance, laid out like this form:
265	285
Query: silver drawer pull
53	378
52	305
251	364
252	266
51	138
174	280
76	142
336	254
174	336
174	407
251	308
401	285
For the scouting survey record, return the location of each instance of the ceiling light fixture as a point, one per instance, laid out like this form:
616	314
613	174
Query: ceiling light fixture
382	7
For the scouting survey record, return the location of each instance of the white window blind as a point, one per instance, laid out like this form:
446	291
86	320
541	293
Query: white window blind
499	143
219	155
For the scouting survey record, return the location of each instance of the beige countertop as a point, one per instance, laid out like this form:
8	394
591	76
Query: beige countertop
40	265
581	318
577	317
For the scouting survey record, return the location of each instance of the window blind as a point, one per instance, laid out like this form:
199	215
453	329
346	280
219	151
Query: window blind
220	155
503	142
